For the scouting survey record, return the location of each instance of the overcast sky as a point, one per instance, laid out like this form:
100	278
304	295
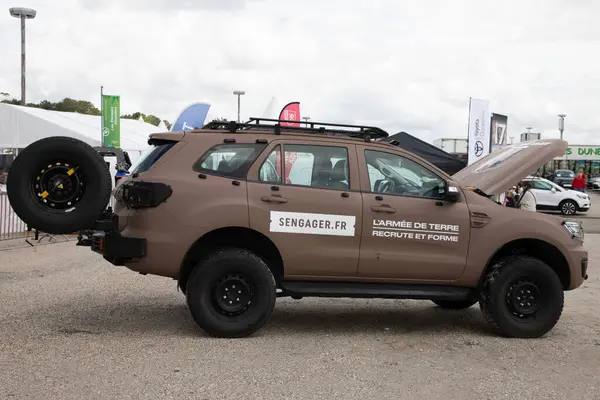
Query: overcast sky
402	65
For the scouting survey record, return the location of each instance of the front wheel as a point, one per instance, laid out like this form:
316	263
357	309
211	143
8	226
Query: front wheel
568	207
522	297
231	293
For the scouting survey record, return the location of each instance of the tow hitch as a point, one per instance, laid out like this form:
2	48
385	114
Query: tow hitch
106	240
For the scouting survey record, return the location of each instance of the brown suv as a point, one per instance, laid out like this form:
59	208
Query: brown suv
240	214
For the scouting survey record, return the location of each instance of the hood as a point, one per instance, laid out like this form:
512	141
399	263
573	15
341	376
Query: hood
499	170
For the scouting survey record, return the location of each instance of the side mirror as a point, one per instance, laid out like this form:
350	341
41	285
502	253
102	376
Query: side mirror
451	193
553	190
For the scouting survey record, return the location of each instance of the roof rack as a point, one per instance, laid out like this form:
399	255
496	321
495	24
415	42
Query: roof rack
321	128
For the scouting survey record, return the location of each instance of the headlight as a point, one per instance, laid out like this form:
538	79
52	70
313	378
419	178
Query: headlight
582	196
575	228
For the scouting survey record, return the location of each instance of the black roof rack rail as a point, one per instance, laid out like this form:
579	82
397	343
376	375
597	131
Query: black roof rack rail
322	128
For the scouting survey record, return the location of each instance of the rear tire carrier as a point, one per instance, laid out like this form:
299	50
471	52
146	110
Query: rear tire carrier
59	185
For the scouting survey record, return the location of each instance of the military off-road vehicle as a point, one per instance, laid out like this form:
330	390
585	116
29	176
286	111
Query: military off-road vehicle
242	213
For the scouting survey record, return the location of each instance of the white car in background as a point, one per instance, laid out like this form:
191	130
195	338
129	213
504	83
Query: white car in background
552	197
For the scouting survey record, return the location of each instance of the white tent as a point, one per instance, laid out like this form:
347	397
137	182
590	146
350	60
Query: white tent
21	126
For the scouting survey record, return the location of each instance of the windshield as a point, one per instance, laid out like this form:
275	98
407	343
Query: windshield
565	174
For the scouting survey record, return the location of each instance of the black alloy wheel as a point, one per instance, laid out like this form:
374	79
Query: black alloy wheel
521	297
233	295
524	299
59	185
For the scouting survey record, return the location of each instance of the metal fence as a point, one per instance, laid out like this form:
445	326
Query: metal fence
11	226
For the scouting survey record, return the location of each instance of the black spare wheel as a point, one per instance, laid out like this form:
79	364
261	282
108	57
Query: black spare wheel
59	185
522	297
231	293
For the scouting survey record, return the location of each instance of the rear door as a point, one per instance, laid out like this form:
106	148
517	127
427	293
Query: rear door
409	232
304	195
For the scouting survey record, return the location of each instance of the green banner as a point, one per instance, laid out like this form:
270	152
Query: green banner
111	121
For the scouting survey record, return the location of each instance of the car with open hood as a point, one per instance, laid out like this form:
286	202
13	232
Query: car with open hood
240	214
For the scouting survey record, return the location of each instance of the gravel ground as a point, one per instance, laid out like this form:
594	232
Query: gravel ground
74	327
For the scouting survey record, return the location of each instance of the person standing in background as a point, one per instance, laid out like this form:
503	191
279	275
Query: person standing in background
526	200
578	182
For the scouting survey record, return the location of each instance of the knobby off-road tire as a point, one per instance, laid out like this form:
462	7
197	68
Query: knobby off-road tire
231	293
59	185
521	297
455	304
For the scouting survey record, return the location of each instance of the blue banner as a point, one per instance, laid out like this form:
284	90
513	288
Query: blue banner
191	118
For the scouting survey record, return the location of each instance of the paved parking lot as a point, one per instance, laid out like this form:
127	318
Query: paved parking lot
74	327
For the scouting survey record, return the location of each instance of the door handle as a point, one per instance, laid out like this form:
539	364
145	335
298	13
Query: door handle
384	209
273	199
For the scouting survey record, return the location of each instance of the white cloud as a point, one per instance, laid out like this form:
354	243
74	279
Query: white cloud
402	65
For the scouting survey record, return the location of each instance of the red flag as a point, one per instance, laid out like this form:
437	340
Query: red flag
291	112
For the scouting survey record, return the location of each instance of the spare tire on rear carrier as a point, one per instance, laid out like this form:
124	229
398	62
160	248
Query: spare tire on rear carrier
59	185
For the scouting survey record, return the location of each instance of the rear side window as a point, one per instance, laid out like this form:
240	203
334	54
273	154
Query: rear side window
230	160
149	157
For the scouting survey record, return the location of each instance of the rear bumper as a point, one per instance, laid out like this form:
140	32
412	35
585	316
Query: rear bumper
105	239
118	249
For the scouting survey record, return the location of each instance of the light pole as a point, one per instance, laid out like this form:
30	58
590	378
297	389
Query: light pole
23	14
306	121
561	124
239	93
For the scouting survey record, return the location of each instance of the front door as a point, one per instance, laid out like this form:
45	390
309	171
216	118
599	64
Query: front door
300	195
544	196
409	232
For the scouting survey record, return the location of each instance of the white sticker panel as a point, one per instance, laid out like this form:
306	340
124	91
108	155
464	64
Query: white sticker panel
312	224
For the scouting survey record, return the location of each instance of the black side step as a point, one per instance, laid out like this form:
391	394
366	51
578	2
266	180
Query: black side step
374	290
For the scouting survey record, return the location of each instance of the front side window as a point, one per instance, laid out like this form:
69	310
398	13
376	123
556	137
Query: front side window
230	160
541	185
394	174
317	166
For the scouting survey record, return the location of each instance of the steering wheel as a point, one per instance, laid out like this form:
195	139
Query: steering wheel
387	186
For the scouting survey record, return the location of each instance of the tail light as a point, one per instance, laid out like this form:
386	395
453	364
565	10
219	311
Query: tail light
143	194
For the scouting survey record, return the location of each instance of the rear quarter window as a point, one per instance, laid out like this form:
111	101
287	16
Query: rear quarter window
229	160
149	157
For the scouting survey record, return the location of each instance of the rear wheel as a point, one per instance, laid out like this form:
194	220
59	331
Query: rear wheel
59	185
522	297
455	304
231	293
568	207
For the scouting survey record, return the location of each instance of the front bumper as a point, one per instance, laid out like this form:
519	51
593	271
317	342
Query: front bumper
577	258
118	249
585	205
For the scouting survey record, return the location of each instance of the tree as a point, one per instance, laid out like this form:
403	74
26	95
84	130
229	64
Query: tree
151	119
82	107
